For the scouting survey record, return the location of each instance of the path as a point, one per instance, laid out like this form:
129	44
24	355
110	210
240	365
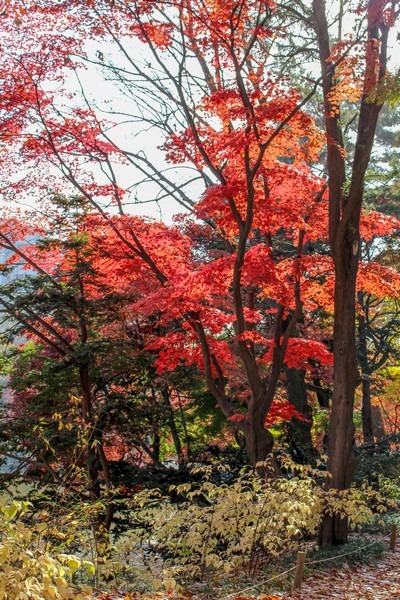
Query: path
379	580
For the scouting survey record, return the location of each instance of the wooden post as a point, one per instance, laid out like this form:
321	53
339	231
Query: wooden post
298	574
393	535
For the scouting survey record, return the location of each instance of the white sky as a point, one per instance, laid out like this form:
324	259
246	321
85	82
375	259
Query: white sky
133	137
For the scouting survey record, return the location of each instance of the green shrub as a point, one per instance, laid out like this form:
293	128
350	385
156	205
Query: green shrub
378	465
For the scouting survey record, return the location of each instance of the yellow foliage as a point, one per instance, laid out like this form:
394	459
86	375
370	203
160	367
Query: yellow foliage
27	571
221	529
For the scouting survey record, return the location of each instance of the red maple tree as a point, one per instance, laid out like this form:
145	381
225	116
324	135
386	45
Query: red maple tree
207	88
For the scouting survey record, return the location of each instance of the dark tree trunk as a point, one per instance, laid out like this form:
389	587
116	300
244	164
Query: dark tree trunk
96	462
172	426
156	447
301	444
344	236
92	463
367	425
367	420
323	394
378	423
340	448
259	443
187	440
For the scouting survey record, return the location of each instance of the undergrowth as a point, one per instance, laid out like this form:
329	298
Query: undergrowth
203	536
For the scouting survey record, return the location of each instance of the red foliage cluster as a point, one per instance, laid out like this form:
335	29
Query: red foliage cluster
227	288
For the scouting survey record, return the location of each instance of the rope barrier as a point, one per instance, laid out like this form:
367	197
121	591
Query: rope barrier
314	562
321	560
252	587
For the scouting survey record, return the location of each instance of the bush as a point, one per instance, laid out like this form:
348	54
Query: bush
231	529
378	465
28	569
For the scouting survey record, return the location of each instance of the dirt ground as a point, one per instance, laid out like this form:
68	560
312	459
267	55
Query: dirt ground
377	581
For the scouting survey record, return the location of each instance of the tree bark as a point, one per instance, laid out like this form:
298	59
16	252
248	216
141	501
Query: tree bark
301	443
323	394
172	425
96	461
259	444
344	238
367	425
340	448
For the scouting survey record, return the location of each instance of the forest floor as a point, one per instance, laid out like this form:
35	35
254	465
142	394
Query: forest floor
379	579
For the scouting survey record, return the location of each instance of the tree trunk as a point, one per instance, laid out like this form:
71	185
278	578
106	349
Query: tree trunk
367	421
156	446
259	444
344	237
323	394
378	423
301	445
96	461
172	426
90	452
340	448
367	426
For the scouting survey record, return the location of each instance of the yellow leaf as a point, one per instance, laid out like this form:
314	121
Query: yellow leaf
89	568
9	511
74	564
